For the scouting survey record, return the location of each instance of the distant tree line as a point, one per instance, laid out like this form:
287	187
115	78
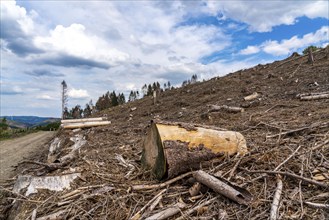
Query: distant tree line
193	80
109	100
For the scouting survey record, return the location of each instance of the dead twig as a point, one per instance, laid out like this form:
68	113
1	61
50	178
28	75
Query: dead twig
276	199
168	212
317	205
138	214
276	168
194	209
314	182
161	185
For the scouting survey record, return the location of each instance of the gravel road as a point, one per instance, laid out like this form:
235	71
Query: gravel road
15	150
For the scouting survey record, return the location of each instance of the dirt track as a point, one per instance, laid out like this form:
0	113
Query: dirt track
14	150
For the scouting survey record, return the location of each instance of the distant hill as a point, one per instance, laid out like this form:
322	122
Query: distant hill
28	121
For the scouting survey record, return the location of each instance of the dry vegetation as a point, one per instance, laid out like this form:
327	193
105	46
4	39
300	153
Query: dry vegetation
283	134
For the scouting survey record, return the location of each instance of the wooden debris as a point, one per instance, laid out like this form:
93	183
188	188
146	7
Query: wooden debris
54	216
169	150
314	182
196	208
234	193
276	200
252	96
317	205
69	121
314	96
84	123
216	108
195	189
161	185
139	213
171	211
87	124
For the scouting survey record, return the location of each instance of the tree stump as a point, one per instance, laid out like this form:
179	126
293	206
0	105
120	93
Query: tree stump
310	56
170	149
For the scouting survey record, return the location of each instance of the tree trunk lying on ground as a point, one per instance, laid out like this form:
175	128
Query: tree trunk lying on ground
216	108
313	96
252	96
82	120
87	124
173	148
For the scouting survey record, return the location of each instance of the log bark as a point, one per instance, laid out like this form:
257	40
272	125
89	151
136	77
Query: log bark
234	193
169	150
216	108
82	120
87	124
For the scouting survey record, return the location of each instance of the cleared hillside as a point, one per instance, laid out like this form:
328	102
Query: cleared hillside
275	124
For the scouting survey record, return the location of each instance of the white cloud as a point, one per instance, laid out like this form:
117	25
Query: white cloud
45	97
262	16
78	93
11	11
287	46
250	50
74	40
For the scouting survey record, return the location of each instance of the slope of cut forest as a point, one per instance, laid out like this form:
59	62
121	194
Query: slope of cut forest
283	133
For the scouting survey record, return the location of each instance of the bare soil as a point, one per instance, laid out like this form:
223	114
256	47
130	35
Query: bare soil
15	150
274	125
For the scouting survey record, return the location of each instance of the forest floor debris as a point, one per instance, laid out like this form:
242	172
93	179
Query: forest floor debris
285	136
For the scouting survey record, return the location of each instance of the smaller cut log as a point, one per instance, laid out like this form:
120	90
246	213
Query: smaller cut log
82	120
216	108
315	97
234	193
252	96
85	124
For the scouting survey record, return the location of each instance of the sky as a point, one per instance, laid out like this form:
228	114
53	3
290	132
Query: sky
100	46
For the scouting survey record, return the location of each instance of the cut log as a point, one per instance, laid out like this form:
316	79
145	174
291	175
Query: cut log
315	97
169	149
85	124
252	96
234	193
82	120
216	108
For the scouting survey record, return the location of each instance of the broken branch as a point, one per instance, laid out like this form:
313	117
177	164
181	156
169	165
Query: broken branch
161	185
314	182
234	193
276	200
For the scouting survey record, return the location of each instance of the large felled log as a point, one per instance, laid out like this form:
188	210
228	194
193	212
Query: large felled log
170	149
85	124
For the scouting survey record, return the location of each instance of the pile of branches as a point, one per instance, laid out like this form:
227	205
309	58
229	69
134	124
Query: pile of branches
287	176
